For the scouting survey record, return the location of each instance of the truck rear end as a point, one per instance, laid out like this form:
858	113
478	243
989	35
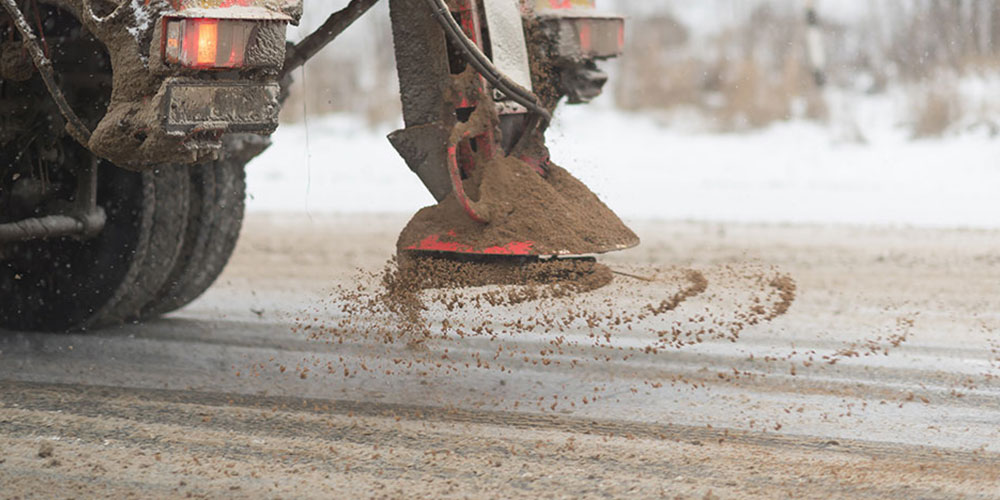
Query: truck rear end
188	73
129	123
128	126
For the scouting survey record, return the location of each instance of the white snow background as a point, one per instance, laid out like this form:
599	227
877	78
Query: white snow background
673	168
796	172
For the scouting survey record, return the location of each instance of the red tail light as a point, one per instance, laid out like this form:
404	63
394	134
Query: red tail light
206	43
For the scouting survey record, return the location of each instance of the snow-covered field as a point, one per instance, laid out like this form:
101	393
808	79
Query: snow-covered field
793	172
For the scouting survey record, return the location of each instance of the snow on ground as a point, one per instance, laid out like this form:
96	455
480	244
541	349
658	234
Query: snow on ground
795	172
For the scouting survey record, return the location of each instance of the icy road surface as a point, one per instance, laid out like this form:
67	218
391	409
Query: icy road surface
881	380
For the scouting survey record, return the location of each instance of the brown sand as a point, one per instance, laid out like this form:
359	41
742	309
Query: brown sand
557	213
698	286
573	275
425	298
404	280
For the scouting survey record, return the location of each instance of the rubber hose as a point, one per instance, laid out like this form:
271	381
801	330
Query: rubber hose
483	65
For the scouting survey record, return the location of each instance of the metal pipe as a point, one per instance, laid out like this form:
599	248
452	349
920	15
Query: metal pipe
87	211
52	226
86	220
86	186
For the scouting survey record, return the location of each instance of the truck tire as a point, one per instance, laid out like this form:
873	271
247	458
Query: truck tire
169	208
215	217
169	232
62	284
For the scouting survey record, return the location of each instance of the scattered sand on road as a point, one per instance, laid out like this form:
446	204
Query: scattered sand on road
118	443
789	288
424	301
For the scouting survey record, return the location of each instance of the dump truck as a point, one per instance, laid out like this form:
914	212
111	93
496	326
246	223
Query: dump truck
127	126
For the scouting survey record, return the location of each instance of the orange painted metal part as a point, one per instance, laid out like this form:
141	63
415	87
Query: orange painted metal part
462	156
207	4
434	243
459	189
563	4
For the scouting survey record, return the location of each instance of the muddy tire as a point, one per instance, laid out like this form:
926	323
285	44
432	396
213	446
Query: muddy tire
217	192
61	284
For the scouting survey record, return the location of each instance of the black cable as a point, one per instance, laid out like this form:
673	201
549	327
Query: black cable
483	65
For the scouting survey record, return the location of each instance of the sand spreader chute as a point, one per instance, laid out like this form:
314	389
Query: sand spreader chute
475	126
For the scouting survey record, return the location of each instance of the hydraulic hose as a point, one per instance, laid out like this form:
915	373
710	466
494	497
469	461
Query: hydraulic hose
475	57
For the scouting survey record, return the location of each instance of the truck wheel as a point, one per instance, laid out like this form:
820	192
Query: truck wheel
216	215
169	208
61	284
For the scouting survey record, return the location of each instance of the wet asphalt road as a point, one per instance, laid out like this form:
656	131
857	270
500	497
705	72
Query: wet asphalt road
890	352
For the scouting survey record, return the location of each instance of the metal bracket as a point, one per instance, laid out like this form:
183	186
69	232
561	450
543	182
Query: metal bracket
85	221
507	41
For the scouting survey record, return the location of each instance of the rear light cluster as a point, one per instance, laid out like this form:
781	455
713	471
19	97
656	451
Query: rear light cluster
206	43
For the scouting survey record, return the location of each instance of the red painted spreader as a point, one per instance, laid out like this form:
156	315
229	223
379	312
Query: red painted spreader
434	243
451	244
466	76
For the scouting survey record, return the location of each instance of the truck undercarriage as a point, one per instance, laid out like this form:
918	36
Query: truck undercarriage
127	126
